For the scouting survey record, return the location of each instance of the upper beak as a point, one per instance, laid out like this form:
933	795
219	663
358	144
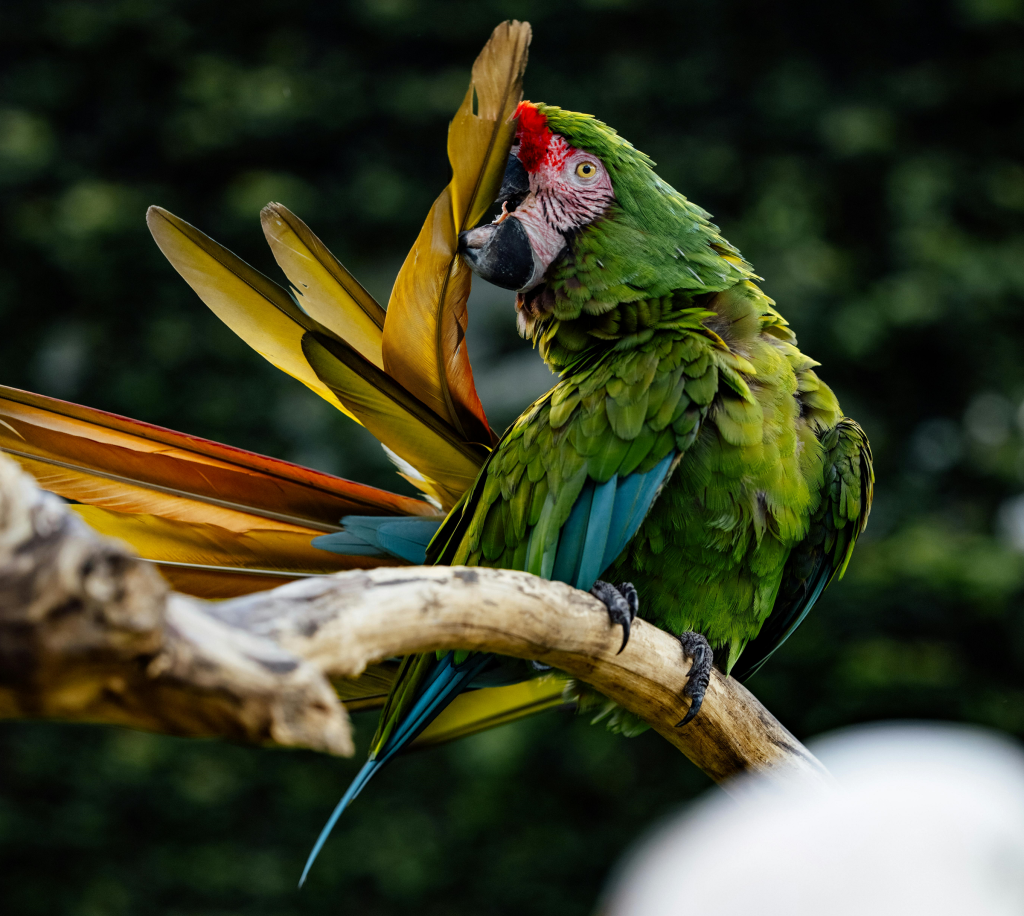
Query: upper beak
515	185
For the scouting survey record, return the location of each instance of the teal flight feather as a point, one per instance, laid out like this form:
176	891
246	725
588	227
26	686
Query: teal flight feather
573	540
363	535
443	683
597	533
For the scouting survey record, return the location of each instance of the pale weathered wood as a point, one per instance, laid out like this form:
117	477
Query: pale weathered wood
347	621
87	632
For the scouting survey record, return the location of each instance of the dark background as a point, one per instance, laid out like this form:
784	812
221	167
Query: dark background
867	157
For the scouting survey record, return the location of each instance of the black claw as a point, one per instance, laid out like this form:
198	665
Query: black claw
698	649
695	706
622	603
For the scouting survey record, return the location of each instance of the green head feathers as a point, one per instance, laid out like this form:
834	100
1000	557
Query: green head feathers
651	241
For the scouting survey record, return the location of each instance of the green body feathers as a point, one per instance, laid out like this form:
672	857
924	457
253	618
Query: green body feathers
717	382
689	446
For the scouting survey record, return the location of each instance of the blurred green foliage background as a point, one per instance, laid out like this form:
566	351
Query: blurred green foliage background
867	157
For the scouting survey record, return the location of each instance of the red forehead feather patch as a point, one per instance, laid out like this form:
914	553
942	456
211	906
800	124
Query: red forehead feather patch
533	134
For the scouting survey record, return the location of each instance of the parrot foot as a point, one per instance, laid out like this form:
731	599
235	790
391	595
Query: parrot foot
698	650
622	602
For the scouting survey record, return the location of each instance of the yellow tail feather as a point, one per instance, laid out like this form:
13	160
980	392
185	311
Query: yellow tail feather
266	318
208	561
478	710
252	305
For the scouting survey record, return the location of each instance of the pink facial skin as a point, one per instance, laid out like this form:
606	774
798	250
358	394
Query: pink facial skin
569	189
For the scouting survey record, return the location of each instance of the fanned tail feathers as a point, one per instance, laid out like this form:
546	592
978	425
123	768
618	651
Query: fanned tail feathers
269	319
219	521
333	336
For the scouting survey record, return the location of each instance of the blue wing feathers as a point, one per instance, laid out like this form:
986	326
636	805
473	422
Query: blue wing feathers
633	500
597	533
406	542
574	532
348	544
612	513
375	536
622	514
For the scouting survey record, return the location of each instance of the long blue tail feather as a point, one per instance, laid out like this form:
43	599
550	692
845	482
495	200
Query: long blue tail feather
355	787
444	683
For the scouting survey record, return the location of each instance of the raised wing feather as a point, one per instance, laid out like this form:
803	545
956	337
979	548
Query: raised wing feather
325	289
424	334
252	305
397	419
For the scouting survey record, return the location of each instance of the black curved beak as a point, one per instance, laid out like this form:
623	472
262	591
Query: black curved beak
499	252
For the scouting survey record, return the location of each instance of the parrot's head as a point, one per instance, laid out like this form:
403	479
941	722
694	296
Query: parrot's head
551	191
586	223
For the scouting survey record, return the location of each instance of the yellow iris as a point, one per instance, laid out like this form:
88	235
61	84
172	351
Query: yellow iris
586	170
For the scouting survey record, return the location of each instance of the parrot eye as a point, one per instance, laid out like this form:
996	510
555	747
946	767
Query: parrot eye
586	170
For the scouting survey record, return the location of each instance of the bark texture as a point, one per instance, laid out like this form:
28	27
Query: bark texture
90	633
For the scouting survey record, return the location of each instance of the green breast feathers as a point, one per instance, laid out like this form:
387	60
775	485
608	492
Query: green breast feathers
712	387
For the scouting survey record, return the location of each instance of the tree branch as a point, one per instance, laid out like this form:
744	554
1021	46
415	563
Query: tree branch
88	632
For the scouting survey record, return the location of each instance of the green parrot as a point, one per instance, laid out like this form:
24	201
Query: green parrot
688	452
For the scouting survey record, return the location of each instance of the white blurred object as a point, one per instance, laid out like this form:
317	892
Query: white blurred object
924	819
